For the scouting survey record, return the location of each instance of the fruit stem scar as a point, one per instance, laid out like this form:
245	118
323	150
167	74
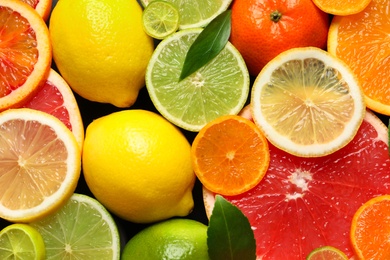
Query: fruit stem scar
275	16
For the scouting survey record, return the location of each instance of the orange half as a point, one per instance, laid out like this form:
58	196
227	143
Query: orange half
25	52
345	7
370	229
230	155
363	42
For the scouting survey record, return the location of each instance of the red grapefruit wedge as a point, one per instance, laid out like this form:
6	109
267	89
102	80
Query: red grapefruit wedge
305	203
57	99
43	7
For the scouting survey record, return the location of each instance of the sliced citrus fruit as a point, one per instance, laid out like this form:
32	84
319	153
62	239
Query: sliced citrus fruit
43	7
341	8
304	203
40	163
370	229
328	253
57	99
307	102
230	155
362	41
22	242
81	229
25	52
196	13
160	19
219	88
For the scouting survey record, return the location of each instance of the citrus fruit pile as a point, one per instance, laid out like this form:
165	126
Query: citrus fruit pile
107	151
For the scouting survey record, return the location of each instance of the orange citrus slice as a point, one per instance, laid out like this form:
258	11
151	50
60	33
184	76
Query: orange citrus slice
370	229
307	102
39	164
56	98
363	42
345	7
43	7
230	155
25	52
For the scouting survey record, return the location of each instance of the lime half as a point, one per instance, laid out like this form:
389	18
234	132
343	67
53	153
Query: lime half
81	229
196	13
327	252
160	19
219	88
21	241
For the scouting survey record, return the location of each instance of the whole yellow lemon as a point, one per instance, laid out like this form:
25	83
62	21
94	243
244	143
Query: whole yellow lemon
101	49
138	165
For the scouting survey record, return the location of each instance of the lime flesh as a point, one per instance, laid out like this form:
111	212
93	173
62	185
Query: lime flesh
21	241
81	229
160	19
196	13
218	88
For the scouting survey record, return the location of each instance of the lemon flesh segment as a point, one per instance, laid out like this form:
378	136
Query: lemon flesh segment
81	229
219	88
160	19
21	241
307	102
196	13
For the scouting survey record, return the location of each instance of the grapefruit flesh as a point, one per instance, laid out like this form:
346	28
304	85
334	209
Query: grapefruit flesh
304	203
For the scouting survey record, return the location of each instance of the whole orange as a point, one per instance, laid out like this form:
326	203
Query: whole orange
261	29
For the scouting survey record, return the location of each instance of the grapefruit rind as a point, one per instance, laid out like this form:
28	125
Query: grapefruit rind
280	139
42	66
50	202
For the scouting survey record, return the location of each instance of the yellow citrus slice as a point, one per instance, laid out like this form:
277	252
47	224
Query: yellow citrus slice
43	7
307	102
40	163
370	229
25	52
363	42
345	7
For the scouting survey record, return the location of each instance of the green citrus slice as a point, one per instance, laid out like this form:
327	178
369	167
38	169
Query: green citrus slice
21	241
327	252
196	13
160	19
81	229
219	88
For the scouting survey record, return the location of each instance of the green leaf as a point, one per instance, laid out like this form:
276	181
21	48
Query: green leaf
229	234
208	44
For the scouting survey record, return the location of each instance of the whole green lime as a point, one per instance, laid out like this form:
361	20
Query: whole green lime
183	239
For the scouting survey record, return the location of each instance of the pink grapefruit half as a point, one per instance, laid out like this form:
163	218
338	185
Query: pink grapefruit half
305	203
57	99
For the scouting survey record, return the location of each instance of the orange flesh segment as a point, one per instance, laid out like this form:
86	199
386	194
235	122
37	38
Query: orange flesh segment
45	154
18	52
231	155
371	229
363	42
